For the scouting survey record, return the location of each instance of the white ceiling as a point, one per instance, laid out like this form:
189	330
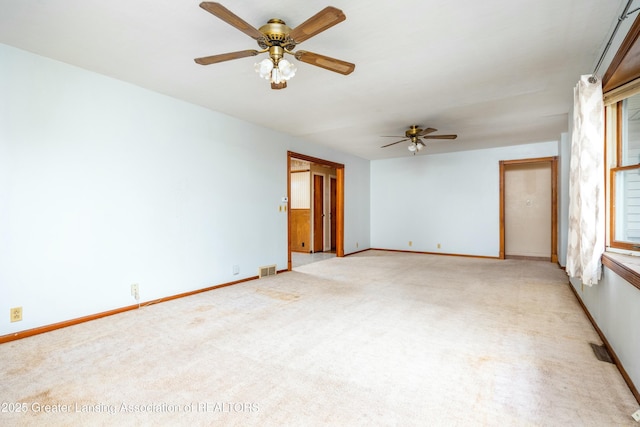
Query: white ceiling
496	72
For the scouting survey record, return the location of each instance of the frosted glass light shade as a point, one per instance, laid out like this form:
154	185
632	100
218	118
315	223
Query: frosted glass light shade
264	67
287	69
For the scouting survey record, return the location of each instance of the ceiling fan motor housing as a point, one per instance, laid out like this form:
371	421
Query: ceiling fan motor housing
413	131
276	33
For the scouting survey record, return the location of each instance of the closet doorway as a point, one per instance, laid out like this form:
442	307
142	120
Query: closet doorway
315	192
529	209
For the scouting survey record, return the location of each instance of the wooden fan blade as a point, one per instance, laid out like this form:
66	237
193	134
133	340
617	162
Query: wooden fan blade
394	143
231	18
326	18
426	131
325	62
206	60
440	137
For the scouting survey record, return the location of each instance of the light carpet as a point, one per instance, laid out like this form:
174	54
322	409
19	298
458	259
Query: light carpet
377	338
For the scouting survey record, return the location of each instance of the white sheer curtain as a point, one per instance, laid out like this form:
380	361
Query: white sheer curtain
586	184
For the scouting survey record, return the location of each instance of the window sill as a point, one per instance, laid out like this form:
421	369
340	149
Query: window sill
625	266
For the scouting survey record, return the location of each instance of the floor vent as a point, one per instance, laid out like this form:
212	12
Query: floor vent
601	352
269	270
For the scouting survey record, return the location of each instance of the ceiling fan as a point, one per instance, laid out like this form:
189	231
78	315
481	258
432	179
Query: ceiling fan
414	133
276	38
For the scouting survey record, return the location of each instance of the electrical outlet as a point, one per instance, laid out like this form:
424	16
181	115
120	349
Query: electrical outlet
636	415
438	245
15	314
135	291
236	269
410	243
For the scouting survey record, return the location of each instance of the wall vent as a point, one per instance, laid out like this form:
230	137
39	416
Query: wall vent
268	270
601	353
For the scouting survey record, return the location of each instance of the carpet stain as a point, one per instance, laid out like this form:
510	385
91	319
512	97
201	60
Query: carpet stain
28	364
282	296
196	321
203	308
43	397
483	359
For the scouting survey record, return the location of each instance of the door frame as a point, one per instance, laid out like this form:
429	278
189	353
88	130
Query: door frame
554	201
332	214
314	200
339	167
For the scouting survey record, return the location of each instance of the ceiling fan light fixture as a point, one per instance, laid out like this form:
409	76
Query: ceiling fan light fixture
264	68
287	69
412	147
276	74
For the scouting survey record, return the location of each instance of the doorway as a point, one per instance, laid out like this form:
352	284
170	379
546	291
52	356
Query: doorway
316	224
528	209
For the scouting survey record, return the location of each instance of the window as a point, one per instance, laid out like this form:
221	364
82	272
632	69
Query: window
621	87
625	173
621	90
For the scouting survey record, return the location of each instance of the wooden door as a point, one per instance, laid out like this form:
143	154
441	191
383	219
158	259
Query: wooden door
332	212
528	209
318	213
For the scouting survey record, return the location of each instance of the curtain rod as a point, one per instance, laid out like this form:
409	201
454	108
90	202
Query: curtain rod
625	14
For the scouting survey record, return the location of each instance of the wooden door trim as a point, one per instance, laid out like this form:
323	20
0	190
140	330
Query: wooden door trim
298	156
625	64
554	201
314	199
339	167
332	211
340	211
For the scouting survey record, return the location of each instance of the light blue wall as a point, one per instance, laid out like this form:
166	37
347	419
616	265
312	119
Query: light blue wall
614	305
104	184
452	199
